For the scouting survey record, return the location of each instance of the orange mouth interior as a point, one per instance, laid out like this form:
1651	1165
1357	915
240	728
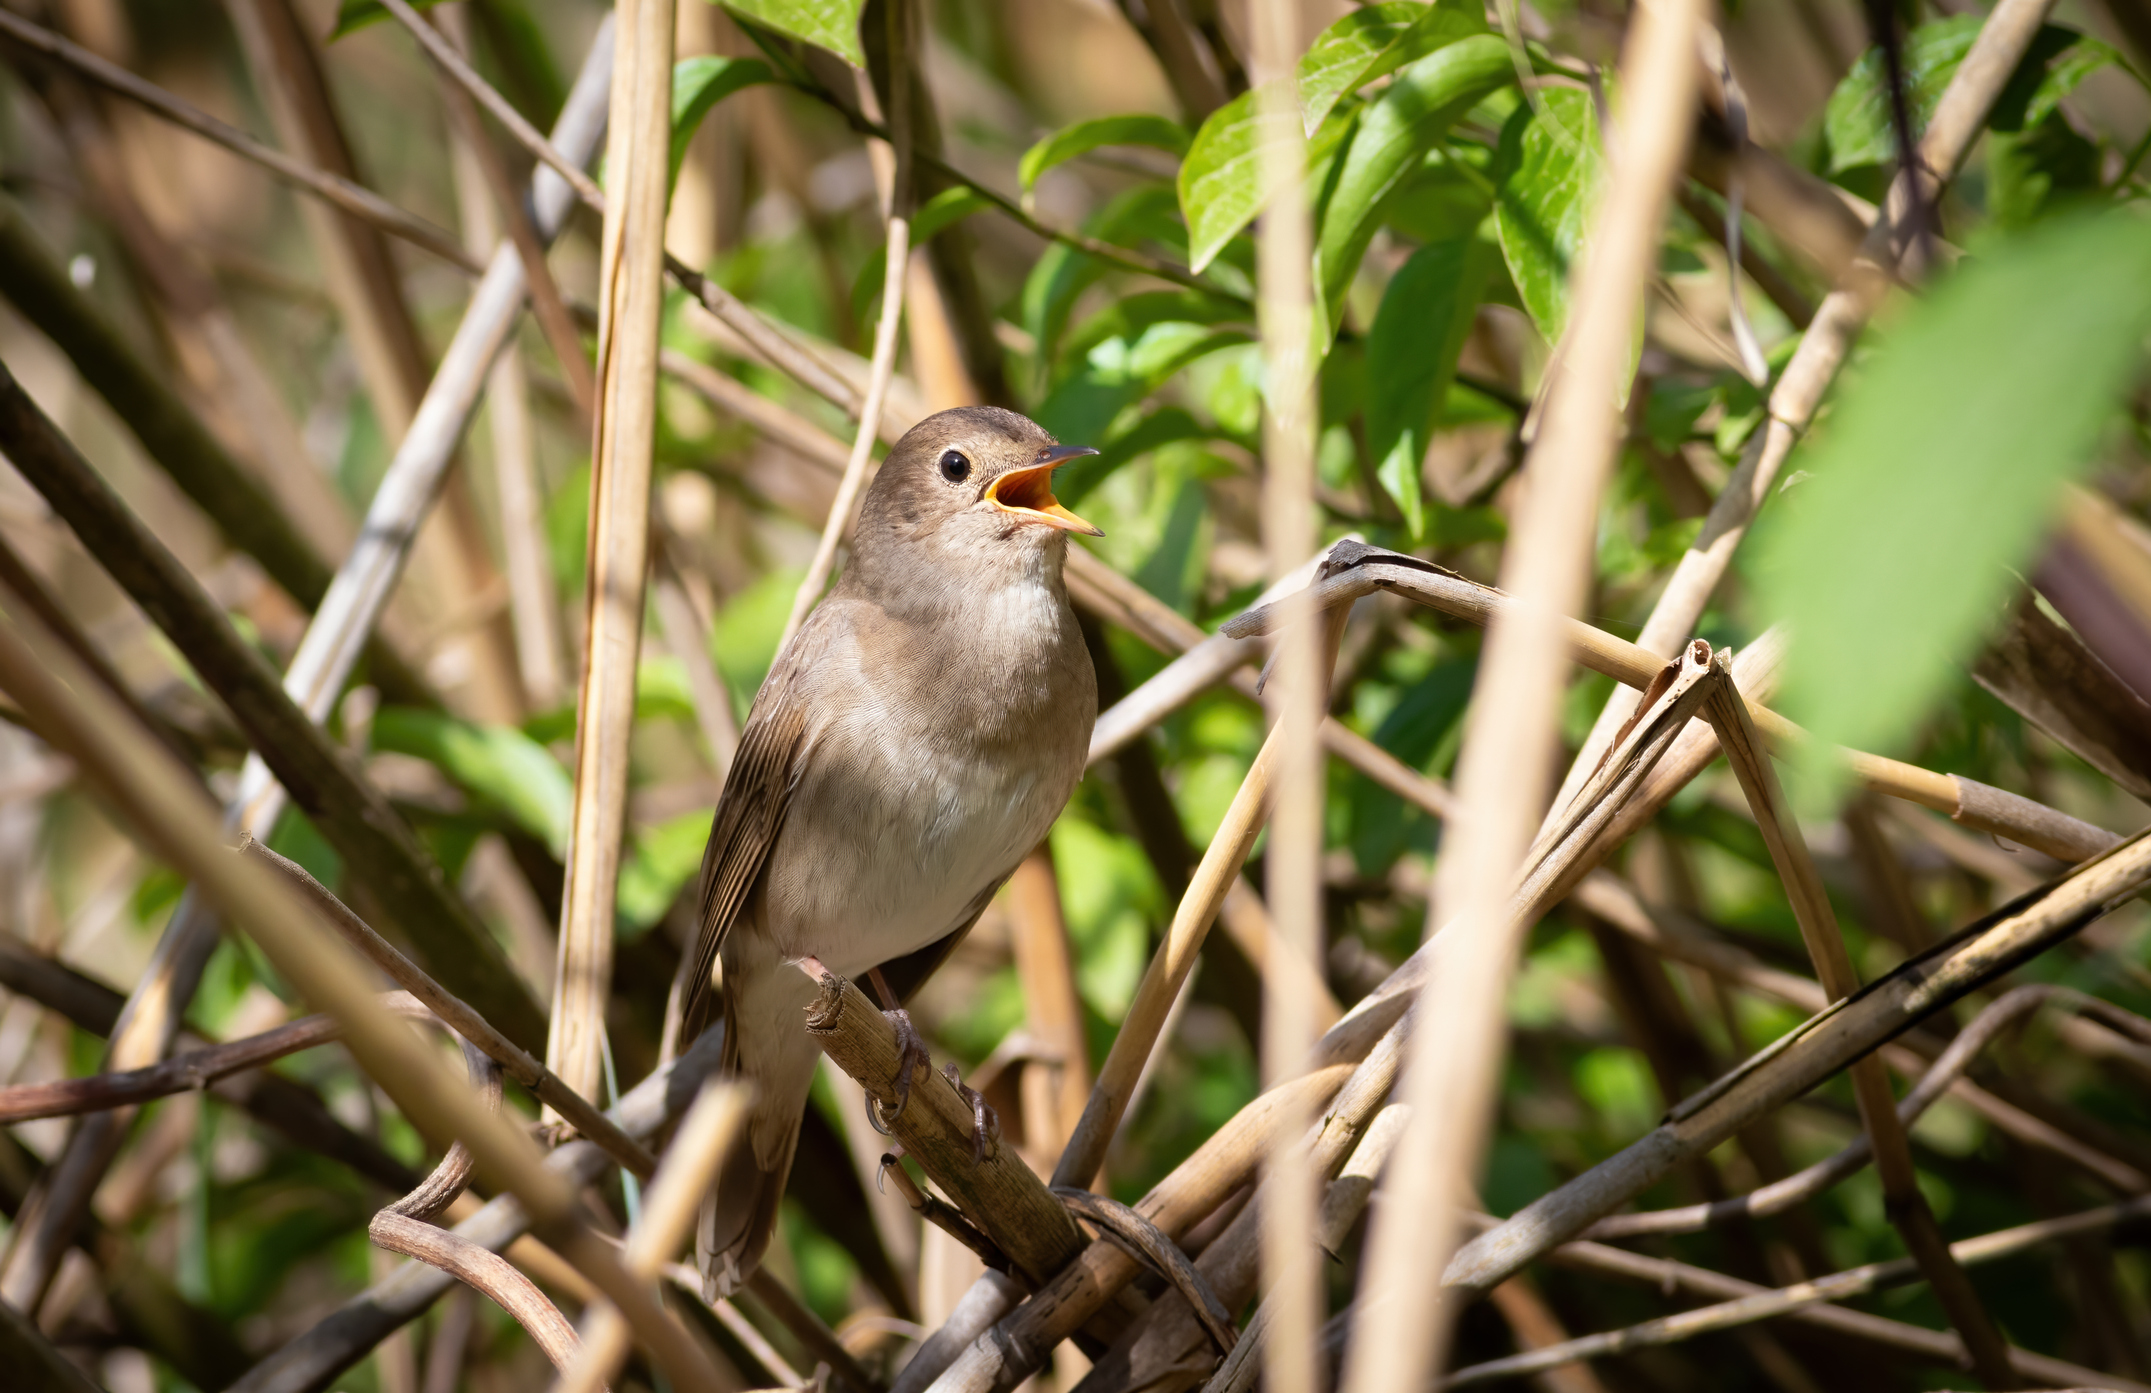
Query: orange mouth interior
1028	493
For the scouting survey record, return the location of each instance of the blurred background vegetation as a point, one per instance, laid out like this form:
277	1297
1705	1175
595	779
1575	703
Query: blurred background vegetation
1449	291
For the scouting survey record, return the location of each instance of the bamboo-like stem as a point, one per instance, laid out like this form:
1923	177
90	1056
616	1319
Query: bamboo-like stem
1956	123
896	257
630	313
705	1135
1902	1198
164	803
1827	1043
533	608
310	1362
351	198
545	1085
1400	1335
998	1193
1838	1286
1298	700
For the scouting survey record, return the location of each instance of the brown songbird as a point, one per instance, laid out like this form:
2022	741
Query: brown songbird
912	744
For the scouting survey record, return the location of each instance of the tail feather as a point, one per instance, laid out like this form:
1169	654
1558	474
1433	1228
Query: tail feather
739	1216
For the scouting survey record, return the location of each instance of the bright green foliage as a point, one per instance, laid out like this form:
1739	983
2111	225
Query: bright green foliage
1857	122
1065	144
1373	42
832	24
1553	170
512	773
1939	469
1411	358
697	85
1221	178
1399	128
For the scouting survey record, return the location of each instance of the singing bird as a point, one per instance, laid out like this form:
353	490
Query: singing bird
912	744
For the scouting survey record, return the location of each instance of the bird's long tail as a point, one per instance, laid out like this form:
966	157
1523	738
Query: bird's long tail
739	1216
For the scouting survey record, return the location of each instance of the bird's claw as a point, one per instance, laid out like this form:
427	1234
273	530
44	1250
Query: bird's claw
911	1054
985	1122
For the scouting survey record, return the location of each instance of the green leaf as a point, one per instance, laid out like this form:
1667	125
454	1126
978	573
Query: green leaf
1221	177
1552	171
1393	137
1085	136
1062	273
951	205
1940	468
1426	315
498	765
699	84
1857	123
831	24
353	15
1374	42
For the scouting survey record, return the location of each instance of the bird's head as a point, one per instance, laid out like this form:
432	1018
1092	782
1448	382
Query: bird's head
966	490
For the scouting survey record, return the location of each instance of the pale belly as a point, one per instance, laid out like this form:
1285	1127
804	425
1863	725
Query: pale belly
883	861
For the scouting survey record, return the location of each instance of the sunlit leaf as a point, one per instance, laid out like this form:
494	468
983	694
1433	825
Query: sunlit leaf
1857	122
1373	42
1221	178
1939	469
697	85
1065	144
831	24
1552	171
352	15
1426	315
499	765
1394	135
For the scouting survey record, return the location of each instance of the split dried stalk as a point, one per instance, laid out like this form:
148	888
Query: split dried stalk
1956	123
631	302
705	1135
164	803
1285	312
1400	1335
896	256
351	198
1902	1198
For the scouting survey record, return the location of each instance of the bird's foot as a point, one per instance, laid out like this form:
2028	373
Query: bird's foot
985	1122
911	1056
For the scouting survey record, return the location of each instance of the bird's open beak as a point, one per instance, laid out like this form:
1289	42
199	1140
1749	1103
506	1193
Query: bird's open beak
1028	492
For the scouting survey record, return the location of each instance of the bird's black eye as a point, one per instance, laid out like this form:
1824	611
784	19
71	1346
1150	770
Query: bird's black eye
954	467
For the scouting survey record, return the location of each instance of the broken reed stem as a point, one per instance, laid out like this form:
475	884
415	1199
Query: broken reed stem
1297	701
705	1135
1399	1338
1801	387
160	798
351	198
1902	1198
631	304
546	1086
896	256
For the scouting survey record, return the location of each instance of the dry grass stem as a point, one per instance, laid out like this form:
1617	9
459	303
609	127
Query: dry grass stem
630	314
1400	1335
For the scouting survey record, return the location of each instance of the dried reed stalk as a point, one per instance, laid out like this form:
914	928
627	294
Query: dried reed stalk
705	1135
161	799
1298	698
1400	1335
485	1272
1054	1089
630	311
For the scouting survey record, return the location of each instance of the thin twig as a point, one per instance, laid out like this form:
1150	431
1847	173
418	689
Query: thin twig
485	1272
